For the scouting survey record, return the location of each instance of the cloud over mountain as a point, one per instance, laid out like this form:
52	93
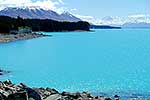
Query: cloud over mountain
47	4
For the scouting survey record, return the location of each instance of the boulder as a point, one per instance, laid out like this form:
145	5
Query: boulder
33	94
2	97
54	97
7	82
6	94
18	96
73	95
99	98
66	98
43	92
52	91
1	85
107	99
31	99
116	97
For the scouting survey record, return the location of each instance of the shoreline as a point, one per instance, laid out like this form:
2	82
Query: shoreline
5	38
10	91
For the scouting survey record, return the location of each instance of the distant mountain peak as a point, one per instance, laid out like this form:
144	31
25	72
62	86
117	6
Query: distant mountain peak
67	13
31	7
69	16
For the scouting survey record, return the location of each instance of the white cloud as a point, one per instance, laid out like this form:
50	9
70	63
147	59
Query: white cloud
48	4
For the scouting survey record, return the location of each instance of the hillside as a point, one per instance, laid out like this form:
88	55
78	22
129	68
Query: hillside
47	25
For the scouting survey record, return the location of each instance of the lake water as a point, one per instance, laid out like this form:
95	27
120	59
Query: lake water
103	61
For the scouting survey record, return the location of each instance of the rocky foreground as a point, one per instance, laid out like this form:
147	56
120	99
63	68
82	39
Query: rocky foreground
14	37
10	91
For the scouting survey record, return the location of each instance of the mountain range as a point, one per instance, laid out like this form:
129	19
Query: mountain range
136	25
37	13
135	21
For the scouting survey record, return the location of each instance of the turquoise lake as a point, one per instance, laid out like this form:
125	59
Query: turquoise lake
103	61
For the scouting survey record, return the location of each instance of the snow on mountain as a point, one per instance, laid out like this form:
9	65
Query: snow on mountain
118	21
69	17
139	20
37	13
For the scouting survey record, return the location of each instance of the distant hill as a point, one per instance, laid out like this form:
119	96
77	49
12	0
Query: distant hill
136	25
37	13
103	27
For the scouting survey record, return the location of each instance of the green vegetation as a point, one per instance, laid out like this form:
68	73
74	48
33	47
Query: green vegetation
47	25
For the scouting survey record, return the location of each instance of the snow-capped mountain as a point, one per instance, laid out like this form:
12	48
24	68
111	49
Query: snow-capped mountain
37	13
126	21
67	16
137	22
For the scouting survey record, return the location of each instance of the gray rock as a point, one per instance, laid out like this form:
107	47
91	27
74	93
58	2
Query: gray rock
4	93
31	99
18	88
65	93
9	91
72	95
99	98
1	85
43	92
53	97
2	97
107	99
66	98
18	96
116	97
7	82
52	91
33	94
84	95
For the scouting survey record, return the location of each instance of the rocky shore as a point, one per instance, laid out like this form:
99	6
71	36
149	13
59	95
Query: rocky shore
10	91
23	36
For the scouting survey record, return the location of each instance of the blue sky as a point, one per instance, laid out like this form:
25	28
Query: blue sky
94	8
101	8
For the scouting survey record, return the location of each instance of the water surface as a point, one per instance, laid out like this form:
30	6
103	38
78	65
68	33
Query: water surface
108	61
